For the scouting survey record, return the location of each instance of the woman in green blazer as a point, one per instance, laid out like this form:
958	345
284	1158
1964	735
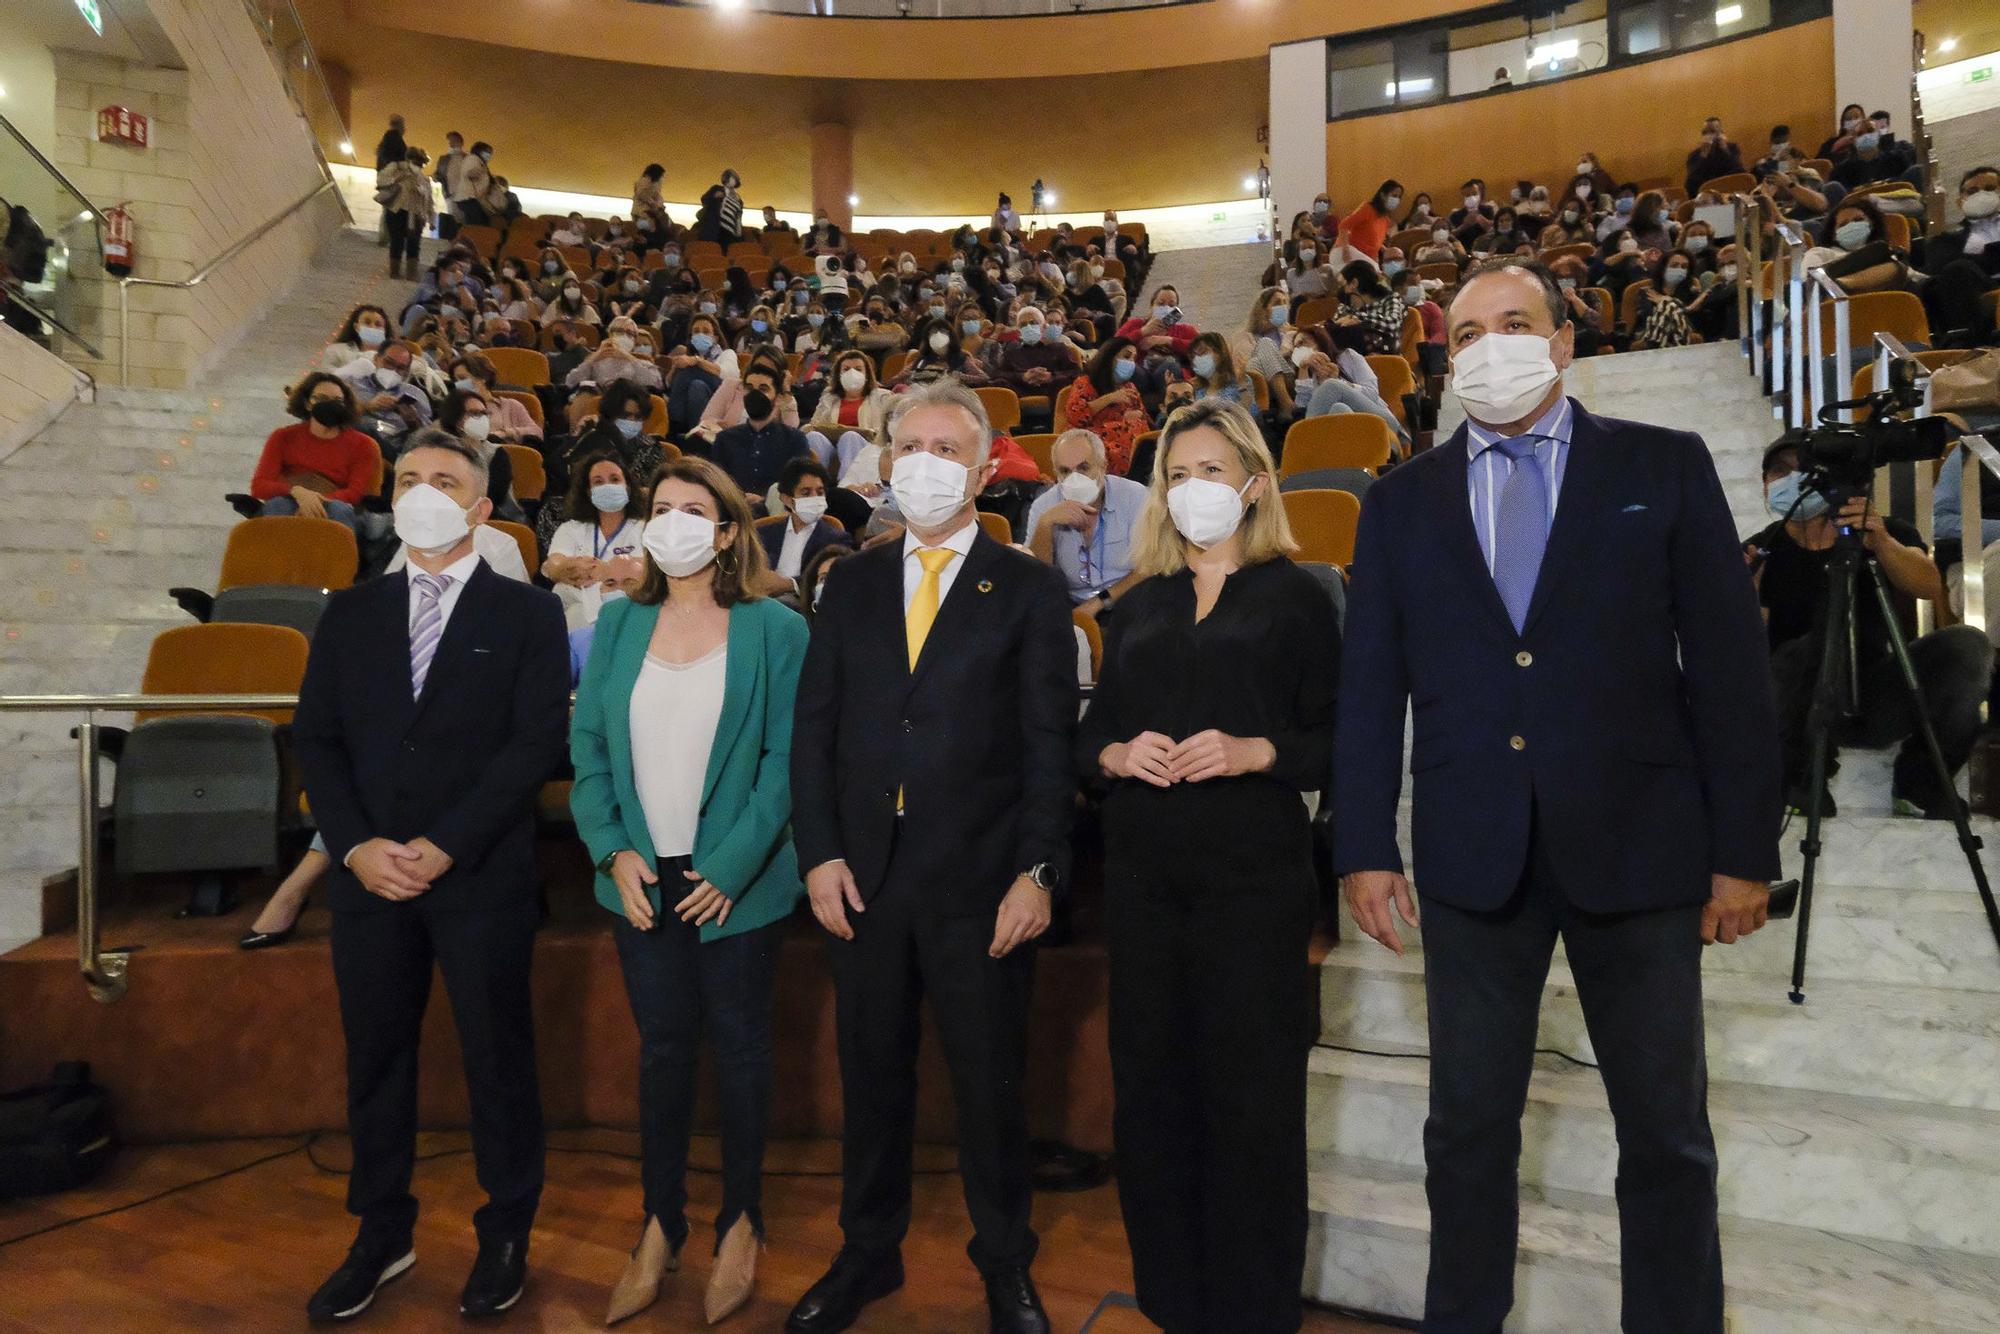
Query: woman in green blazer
682	742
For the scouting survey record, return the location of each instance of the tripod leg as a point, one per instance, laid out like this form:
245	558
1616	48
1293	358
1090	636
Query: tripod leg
1827	705
1968	842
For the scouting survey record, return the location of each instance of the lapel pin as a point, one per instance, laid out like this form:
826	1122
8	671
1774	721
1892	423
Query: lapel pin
986	585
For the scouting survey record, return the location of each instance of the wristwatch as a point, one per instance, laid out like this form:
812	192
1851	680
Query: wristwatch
604	864
1044	876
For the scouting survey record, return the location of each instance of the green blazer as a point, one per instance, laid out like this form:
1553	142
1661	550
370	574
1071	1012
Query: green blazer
742	842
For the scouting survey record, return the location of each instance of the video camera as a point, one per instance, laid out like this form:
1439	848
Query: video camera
1839	459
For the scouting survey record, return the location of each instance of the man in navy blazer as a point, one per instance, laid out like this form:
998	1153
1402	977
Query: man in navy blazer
435	704
1559	601
804	486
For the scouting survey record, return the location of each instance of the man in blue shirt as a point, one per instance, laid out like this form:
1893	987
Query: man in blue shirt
755	452
1083	524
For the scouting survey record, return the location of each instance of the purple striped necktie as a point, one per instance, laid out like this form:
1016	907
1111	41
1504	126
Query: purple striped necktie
427	628
1521	528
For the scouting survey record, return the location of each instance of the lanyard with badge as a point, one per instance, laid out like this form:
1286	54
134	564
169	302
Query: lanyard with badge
1094	565
597	547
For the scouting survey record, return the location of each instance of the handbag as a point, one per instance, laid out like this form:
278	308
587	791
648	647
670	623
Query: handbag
54	1135
1971	384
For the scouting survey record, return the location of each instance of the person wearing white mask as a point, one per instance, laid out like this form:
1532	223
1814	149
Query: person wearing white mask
615	359
1562	597
595	550
359	339
1213	712
1964	262
932	798
390	406
431	714
681	742
1085	524
803	531
851	421
469	413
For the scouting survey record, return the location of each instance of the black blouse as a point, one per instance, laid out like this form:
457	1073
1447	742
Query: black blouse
1263	663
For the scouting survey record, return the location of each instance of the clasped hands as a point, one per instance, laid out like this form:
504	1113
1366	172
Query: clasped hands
1163	762
397	871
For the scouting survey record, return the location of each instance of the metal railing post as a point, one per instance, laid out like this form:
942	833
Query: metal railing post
1972	559
124	334
103	974
1843	357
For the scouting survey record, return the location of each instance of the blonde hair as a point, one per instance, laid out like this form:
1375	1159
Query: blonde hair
1159	547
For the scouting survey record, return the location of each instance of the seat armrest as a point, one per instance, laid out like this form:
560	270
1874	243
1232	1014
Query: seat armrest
196	602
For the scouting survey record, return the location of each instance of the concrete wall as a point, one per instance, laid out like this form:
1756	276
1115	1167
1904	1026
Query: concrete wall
228	151
35	386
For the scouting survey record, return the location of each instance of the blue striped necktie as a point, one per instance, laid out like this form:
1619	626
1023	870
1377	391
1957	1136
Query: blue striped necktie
1521	528
428	627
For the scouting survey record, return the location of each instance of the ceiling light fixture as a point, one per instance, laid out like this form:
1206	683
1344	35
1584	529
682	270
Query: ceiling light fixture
1948	45
347	148
854	201
1727	15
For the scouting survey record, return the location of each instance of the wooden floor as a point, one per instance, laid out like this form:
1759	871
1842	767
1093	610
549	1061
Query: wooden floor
245	1251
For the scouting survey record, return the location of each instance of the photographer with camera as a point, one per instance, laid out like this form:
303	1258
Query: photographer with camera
1953	666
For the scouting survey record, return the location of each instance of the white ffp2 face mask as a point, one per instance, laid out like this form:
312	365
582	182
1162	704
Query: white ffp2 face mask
810	508
929	489
680	543
1500	377
1206	512
1080	487
429	522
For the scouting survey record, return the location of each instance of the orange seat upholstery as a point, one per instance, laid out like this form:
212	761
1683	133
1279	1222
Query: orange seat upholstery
1396	379
1628	305
1444	271
289	549
1003	406
231	658
997	527
1342	440
1041	449
1575	250
1600	297
522	366
531	478
1870	313
1092	636
1324	523
1733	184
1317	310
524	538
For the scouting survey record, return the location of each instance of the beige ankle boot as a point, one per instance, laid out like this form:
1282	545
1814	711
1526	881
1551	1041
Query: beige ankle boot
734	1276
639	1286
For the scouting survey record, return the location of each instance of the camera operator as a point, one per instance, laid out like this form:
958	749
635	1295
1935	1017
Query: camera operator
1953	665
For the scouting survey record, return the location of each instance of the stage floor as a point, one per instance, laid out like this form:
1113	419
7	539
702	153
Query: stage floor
243	1252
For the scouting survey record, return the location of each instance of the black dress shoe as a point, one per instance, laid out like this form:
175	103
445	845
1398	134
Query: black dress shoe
353	1286
498	1276
264	940
1013	1303
835	1301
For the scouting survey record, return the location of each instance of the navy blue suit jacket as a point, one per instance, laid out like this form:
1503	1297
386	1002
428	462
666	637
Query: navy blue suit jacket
462	763
822	536
1630	721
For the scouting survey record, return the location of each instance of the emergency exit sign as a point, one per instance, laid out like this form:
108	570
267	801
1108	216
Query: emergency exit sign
93	14
1984	74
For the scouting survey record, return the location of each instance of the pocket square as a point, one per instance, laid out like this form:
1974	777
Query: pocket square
1634	509
482	650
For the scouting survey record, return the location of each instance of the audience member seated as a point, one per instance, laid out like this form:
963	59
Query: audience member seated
1593	327
618	427
1032	363
569	304
359	339
937	356
875	329
322	467
852	417
1306	273
1954	666
1624	202
1473	218
803	488
699	368
1114	413
1215	372
1083	525
1442	248
1332	380
468	414
755	451
1371	305
726	408
615	359
595	550
567	347
512	424
390	406
1716	155
1964	262
1868	163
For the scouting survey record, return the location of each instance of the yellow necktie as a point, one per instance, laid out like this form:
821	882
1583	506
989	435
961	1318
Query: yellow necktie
917	621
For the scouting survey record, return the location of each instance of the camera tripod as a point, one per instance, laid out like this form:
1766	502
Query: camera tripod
1833	694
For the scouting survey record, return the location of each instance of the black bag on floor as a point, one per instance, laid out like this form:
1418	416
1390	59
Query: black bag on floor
54	1136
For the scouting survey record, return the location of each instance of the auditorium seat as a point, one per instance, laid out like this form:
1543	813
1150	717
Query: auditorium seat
531	479
1582	250
1260	391
527	401
524	538
520	367
1354	481
997	527
279	549
1003	406
1093	636
1397	379
1315	311
1409	239
1870	313
1323	522
1041	449
290	605
1342	440
1600	298
1628	304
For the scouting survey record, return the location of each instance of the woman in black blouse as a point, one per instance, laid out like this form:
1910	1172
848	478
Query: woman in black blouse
1213	712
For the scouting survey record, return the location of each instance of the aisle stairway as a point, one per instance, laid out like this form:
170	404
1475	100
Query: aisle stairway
1856	1133
1216	283
106	509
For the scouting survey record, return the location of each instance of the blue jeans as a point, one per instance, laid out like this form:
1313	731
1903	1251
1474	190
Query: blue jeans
338	510
687	399
678	986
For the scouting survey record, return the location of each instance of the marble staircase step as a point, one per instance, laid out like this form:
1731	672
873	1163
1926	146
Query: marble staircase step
1867	1167
1870	1039
1368	1248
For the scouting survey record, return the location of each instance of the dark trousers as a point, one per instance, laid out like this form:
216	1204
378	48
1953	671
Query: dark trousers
1212	1017
1954	668
382	967
679	986
403	237
903	949
1638	977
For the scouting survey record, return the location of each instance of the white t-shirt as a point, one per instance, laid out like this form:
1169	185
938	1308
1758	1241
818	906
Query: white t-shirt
577	538
674	712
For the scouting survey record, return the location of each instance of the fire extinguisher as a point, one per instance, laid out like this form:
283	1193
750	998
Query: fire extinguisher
119	248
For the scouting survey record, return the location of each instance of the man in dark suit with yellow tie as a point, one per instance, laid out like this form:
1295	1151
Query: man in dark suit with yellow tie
931	807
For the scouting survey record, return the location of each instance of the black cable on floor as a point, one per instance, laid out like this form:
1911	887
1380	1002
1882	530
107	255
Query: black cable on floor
303	1146
1425	1056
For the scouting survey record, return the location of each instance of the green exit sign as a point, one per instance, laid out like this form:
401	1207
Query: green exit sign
1218	217
1984	74
93	14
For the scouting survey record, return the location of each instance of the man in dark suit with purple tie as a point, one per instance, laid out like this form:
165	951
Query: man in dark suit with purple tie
1560	601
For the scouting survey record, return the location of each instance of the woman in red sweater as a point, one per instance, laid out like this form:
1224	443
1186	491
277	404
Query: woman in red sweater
1368	227
323	466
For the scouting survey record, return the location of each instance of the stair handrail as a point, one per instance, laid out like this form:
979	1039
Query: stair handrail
19	295
1975	453
1821	287
1788	348
1751	312
200	275
52	169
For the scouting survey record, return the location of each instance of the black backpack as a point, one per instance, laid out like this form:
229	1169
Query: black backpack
54	1136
